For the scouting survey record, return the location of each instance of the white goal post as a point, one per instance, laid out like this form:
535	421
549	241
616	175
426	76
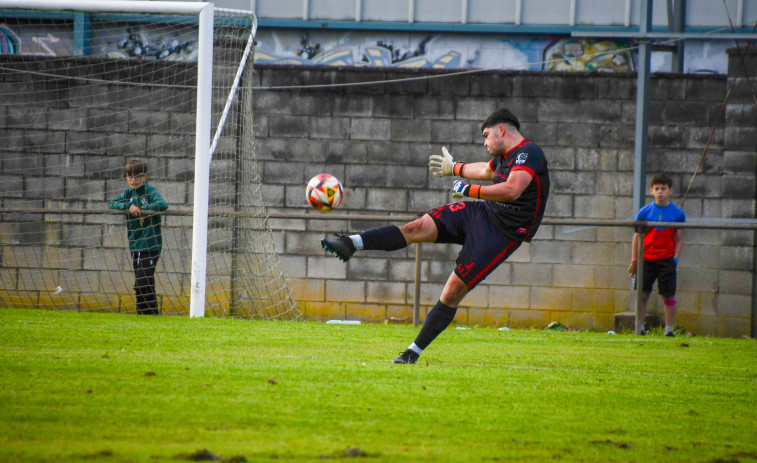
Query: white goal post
207	112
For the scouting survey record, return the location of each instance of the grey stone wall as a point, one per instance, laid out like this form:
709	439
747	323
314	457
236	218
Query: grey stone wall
67	129
376	139
64	144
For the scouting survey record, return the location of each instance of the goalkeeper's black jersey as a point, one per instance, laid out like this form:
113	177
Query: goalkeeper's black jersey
524	214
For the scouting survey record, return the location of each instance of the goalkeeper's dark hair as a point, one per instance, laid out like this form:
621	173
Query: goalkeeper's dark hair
501	116
136	167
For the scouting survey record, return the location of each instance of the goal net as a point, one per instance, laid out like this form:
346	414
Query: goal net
83	92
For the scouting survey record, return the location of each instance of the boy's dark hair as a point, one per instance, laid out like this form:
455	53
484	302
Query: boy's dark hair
136	167
662	179
501	116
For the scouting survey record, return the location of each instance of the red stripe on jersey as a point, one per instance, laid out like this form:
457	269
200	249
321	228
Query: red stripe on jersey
538	203
522	143
538	191
527	169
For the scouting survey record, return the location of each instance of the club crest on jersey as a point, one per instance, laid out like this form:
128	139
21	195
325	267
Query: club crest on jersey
521	159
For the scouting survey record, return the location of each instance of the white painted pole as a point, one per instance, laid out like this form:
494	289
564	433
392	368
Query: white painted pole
518	12
202	162
572	19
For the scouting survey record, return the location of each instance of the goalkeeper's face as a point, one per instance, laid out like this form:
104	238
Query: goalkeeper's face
494	139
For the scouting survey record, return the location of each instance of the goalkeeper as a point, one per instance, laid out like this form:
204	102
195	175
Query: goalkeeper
490	230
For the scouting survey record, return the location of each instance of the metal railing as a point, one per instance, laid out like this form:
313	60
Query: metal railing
640	226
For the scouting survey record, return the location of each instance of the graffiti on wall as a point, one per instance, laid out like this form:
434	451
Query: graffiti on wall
10	44
35	40
144	42
364	49
367	48
48	44
569	54
443	51
379	53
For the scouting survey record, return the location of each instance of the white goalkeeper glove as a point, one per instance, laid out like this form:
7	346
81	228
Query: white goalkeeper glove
441	166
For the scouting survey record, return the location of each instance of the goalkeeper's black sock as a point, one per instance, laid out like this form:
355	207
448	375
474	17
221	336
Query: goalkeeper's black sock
437	320
387	238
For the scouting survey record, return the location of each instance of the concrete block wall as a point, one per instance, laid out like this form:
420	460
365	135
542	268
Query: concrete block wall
64	144
376	139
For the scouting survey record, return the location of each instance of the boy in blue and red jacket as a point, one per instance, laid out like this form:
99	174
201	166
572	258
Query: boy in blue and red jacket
662	247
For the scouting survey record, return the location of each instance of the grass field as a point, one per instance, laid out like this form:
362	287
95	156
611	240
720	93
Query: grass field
120	388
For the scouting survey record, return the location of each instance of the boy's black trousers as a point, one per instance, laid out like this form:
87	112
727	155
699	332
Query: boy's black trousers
144	263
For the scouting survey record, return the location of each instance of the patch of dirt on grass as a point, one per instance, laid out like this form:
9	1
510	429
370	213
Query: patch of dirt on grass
620	445
347	453
199	455
100	454
207	455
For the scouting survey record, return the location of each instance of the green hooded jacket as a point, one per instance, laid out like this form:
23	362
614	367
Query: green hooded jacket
147	236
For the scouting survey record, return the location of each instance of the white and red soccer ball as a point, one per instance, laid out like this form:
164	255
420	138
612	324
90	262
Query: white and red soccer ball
324	192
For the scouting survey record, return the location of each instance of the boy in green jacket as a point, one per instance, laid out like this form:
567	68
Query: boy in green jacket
142	202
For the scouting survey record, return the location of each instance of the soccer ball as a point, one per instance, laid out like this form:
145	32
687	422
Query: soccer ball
324	192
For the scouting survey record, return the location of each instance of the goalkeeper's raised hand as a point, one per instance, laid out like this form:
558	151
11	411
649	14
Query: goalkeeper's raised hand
444	165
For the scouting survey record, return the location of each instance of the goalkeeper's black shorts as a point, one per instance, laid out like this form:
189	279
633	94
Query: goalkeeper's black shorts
485	245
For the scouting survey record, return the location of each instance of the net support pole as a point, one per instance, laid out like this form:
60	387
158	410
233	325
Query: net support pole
640	140
417	287
642	109
202	162
234	86
638	319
